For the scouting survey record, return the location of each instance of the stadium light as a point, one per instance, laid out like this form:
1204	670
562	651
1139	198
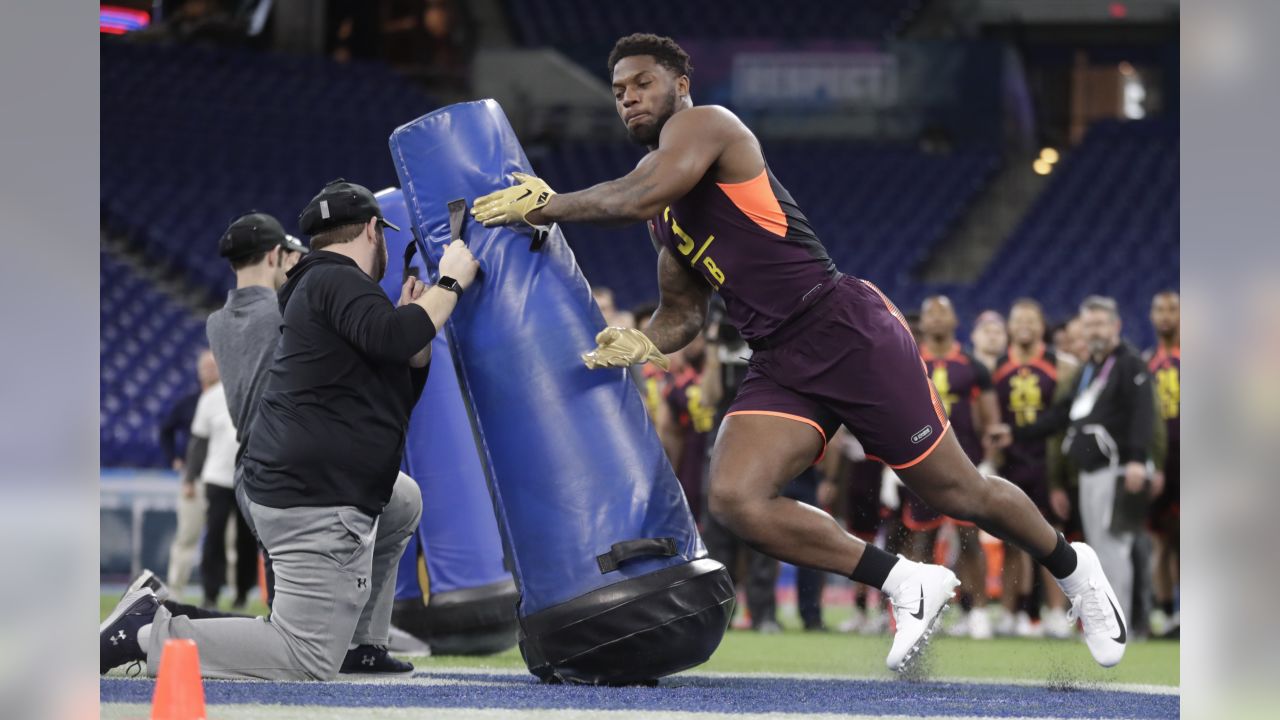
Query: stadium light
115	20
1042	166
1049	155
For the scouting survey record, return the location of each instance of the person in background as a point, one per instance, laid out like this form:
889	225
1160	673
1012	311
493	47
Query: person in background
967	397
1109	417
1164	362
1076	345
191	504
654	382
211	462
813	488
175	428
1026	380
846	465
693	392
989	338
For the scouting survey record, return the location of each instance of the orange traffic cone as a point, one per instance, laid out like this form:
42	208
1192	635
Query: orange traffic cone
179	693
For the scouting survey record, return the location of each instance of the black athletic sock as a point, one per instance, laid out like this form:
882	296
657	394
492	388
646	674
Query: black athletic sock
1062	561
966	601
861	601
1028	605
1167	607
873	569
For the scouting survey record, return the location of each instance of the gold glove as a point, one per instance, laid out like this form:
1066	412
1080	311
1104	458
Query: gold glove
512	205
620	347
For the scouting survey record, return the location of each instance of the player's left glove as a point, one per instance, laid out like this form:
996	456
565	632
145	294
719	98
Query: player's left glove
620	347
512	205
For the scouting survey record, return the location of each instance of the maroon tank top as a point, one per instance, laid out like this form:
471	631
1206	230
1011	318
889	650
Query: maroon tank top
752	244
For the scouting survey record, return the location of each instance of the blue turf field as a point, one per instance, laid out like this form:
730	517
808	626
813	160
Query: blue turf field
688	693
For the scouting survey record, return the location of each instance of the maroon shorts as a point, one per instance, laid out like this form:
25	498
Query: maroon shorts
850	359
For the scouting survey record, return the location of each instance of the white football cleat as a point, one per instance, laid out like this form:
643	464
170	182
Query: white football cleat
918	602
1094	603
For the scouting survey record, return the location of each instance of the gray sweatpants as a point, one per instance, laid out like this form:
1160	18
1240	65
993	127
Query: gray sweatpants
335	573
1097	502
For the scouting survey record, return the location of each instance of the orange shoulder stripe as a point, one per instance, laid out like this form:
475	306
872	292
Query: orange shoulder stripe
756	200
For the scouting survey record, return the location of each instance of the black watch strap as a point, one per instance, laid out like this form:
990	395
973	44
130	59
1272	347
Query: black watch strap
450	284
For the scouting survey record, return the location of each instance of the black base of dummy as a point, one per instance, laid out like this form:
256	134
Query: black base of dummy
474	621
634	631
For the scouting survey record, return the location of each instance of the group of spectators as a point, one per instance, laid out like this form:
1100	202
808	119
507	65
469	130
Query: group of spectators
1084	422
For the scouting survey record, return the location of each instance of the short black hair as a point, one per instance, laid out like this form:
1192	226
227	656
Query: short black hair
663	49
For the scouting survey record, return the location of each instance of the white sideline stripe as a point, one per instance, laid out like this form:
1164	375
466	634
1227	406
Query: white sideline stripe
299	712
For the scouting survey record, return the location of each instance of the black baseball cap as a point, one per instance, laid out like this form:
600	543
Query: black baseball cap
340	203
253	233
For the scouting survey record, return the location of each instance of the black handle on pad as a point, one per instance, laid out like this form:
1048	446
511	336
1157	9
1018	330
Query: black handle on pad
621	552
457	216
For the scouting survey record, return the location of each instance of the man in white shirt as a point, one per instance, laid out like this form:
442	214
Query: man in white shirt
212	459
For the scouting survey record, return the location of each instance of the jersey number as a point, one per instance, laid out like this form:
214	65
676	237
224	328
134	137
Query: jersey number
686	247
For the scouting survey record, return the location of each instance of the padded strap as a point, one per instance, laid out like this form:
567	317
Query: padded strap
409	251
626	550
457	216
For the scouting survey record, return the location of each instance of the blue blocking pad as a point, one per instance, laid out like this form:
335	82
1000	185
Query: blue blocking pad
615	585
453	590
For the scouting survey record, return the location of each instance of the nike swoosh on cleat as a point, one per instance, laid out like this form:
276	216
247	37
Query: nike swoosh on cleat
919	614
1123	634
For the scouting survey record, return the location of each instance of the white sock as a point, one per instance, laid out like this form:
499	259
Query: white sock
900	571
144	636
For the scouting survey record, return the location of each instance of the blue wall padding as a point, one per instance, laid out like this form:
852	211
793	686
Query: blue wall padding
574	462
458	534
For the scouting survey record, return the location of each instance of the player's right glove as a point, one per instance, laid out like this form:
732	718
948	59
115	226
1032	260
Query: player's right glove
620	347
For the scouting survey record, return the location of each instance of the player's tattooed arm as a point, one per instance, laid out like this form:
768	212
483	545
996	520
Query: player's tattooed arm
682	305
692	141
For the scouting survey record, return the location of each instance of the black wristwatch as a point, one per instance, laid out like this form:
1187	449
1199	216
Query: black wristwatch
450	284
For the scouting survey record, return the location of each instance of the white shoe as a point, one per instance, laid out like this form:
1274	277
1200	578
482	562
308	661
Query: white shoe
1024	627
1094	603
1056	625
980	625
1005	623
918	603
1159	623
959	628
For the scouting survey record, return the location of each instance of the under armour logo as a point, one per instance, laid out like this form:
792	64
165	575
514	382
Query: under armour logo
115	639
368	660
361	582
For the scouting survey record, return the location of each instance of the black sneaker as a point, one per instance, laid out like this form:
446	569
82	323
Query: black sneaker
118	634
373	660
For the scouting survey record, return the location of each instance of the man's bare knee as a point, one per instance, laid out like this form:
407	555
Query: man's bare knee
735	510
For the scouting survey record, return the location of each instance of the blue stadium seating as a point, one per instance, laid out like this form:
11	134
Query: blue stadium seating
1107	223
193	137
564	23
148	353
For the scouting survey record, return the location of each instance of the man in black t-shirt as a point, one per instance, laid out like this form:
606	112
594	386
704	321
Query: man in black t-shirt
321	474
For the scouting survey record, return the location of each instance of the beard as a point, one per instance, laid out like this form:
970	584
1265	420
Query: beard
380	258
647	134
